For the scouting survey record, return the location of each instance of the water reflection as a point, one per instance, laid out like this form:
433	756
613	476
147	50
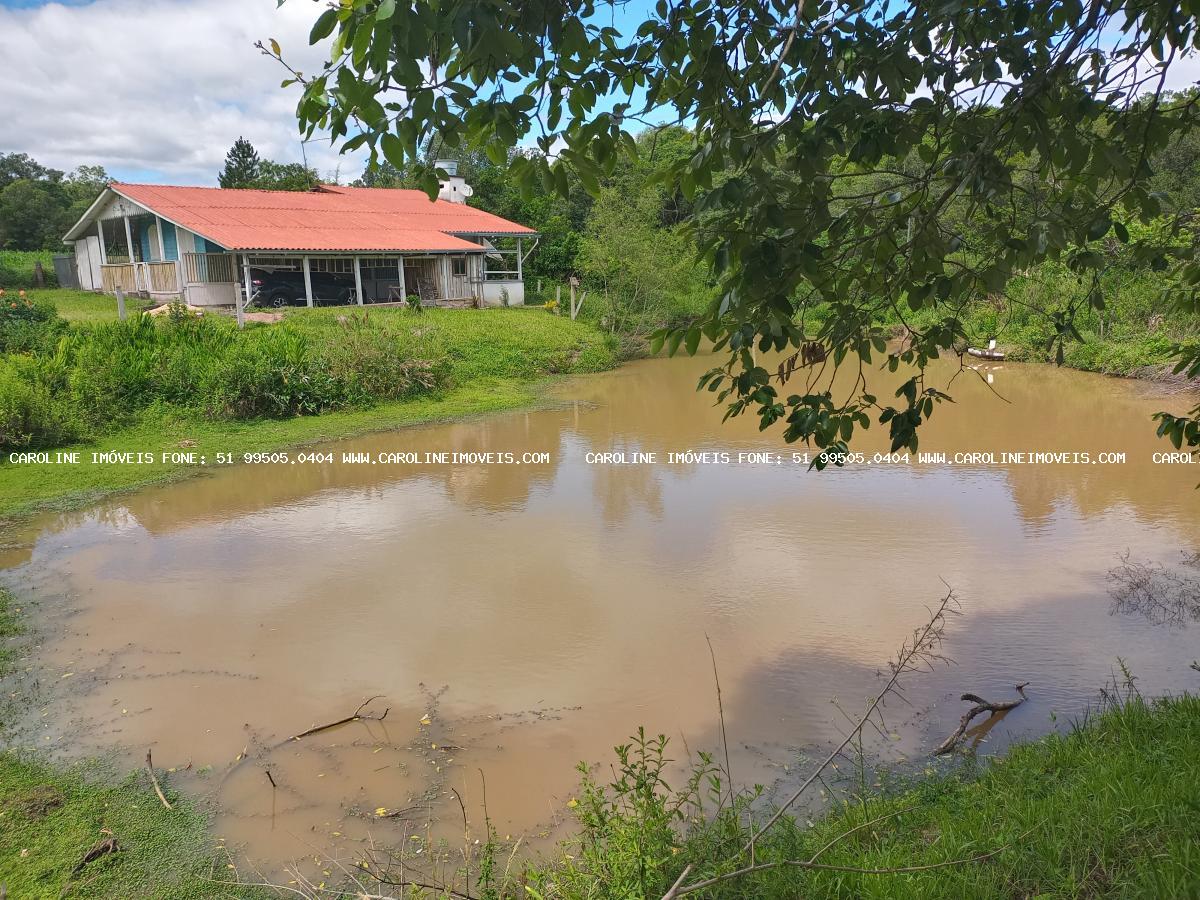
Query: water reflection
565	603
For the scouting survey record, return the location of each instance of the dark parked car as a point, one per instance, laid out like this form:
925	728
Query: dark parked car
285	287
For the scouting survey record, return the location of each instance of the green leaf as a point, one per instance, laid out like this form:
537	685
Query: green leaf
324	26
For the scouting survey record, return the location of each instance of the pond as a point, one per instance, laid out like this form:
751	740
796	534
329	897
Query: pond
514	619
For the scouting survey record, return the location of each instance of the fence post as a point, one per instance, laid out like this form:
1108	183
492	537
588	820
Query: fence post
39	277
120	304
240	305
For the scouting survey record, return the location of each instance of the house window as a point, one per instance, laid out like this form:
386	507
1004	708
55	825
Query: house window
458	265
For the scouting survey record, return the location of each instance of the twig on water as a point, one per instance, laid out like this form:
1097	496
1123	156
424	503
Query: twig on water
356	716
981	706
154	781
721	716
920	650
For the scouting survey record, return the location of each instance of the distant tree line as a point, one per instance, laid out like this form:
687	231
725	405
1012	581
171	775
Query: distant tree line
38	204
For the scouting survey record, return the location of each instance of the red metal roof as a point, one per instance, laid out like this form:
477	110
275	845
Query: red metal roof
331	219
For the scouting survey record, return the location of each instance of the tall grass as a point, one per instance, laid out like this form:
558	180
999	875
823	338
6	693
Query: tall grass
1108	809
70	383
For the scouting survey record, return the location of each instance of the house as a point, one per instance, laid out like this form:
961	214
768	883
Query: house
202	243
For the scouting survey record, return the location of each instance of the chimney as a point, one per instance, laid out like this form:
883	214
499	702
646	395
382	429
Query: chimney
452	188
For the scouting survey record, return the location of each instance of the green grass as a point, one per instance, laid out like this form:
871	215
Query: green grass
496	359
26	488
16	268
84	306
1111	809
50	817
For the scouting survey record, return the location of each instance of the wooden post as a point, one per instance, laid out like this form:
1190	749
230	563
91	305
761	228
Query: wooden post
358	280
129	247
557	296
39	276
128	237
120	304
249	295
403	286
103	249
520	268
308	295
162	245
239	304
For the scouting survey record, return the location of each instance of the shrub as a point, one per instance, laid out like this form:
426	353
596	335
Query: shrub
31	415
113	369
27	326
271	373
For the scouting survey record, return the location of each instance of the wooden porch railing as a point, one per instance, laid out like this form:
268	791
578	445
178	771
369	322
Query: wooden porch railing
209	268
121	275
160	277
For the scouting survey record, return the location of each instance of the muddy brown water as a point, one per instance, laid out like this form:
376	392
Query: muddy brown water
516	619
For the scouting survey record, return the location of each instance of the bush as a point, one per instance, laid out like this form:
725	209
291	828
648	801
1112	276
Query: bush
79	380
271	374
27	326
31	415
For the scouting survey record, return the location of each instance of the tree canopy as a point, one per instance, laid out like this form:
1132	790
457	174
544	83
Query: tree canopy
860	154
242	165
38	204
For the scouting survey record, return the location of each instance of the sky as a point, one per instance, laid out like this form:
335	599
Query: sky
158	90
155	90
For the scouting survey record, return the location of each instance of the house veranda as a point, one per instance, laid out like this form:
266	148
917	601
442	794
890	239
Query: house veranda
336	245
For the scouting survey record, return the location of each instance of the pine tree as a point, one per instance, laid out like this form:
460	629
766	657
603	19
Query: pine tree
241	165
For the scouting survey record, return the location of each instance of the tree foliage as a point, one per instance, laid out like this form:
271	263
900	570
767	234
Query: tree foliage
38	204
857	154
242	165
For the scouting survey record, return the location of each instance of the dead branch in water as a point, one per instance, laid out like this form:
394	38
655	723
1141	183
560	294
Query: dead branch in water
919	652
97	850
154	781
356	716
981	706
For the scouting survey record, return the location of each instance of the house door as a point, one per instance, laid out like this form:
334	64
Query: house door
87	263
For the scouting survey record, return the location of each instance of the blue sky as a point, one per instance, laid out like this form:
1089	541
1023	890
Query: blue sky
158	90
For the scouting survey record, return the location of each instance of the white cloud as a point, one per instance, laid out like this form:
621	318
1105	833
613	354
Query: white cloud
156	89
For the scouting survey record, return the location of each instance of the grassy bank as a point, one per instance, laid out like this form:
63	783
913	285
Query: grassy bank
1111	809
322	374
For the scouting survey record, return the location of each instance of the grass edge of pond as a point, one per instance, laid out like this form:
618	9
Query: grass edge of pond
52	814
29	489
1106	809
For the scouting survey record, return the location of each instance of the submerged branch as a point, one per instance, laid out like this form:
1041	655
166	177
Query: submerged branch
981	706
356	716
